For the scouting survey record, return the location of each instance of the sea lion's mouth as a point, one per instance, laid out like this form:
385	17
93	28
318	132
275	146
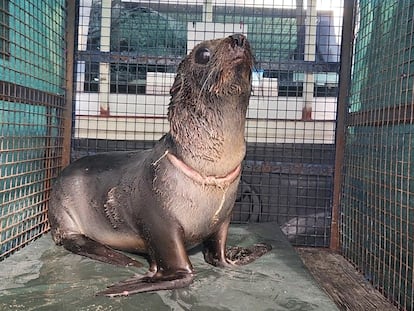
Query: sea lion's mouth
239	53
239	59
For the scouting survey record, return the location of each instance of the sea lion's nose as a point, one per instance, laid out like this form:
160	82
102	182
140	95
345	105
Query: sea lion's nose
238	39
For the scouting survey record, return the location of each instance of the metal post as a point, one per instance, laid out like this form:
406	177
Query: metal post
310	56
344	85
208	11
70	50
105	68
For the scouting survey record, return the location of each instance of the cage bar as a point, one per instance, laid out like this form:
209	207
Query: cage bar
31	106
376	221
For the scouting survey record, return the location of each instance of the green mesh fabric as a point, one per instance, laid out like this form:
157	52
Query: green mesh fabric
377	209
31	105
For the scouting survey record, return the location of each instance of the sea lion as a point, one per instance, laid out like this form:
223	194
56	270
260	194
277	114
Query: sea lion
165	200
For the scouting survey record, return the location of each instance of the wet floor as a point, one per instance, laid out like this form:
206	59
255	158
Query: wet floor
43	276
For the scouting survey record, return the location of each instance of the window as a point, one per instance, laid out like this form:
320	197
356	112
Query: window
4	29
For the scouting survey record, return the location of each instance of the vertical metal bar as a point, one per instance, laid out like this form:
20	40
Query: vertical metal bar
208	11
49	103
70	51
309	55
344	85
105	68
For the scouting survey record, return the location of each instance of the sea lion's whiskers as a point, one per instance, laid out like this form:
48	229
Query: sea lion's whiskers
160	158
210	74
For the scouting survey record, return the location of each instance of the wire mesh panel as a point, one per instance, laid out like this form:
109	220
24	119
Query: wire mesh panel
126	58
31	102
377	208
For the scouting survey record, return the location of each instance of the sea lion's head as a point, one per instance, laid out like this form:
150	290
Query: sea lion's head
209	97
215	68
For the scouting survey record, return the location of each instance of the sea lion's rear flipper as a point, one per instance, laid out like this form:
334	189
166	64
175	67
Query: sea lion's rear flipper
244	255
236	255
216	253
148	284
82	245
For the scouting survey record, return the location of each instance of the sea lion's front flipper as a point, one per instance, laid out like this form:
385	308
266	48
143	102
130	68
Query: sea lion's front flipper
149	284
170	266
82	245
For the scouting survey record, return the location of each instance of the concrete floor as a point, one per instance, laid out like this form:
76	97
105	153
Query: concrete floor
43	276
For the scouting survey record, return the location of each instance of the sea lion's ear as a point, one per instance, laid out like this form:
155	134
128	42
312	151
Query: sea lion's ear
176	85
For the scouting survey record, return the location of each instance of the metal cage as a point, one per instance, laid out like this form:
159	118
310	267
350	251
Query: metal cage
32	102
126	57
77	78
376	209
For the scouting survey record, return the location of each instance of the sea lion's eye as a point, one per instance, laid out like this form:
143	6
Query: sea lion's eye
202	56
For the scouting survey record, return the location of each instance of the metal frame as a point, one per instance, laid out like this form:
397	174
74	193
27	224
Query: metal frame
344	85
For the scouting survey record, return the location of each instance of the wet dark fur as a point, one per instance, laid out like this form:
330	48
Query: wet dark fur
140	202
196	112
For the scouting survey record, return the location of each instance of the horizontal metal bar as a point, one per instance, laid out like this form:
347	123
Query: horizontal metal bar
300	66
243	11
393	115
174	61
11	92
163	117
288	168
126	58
